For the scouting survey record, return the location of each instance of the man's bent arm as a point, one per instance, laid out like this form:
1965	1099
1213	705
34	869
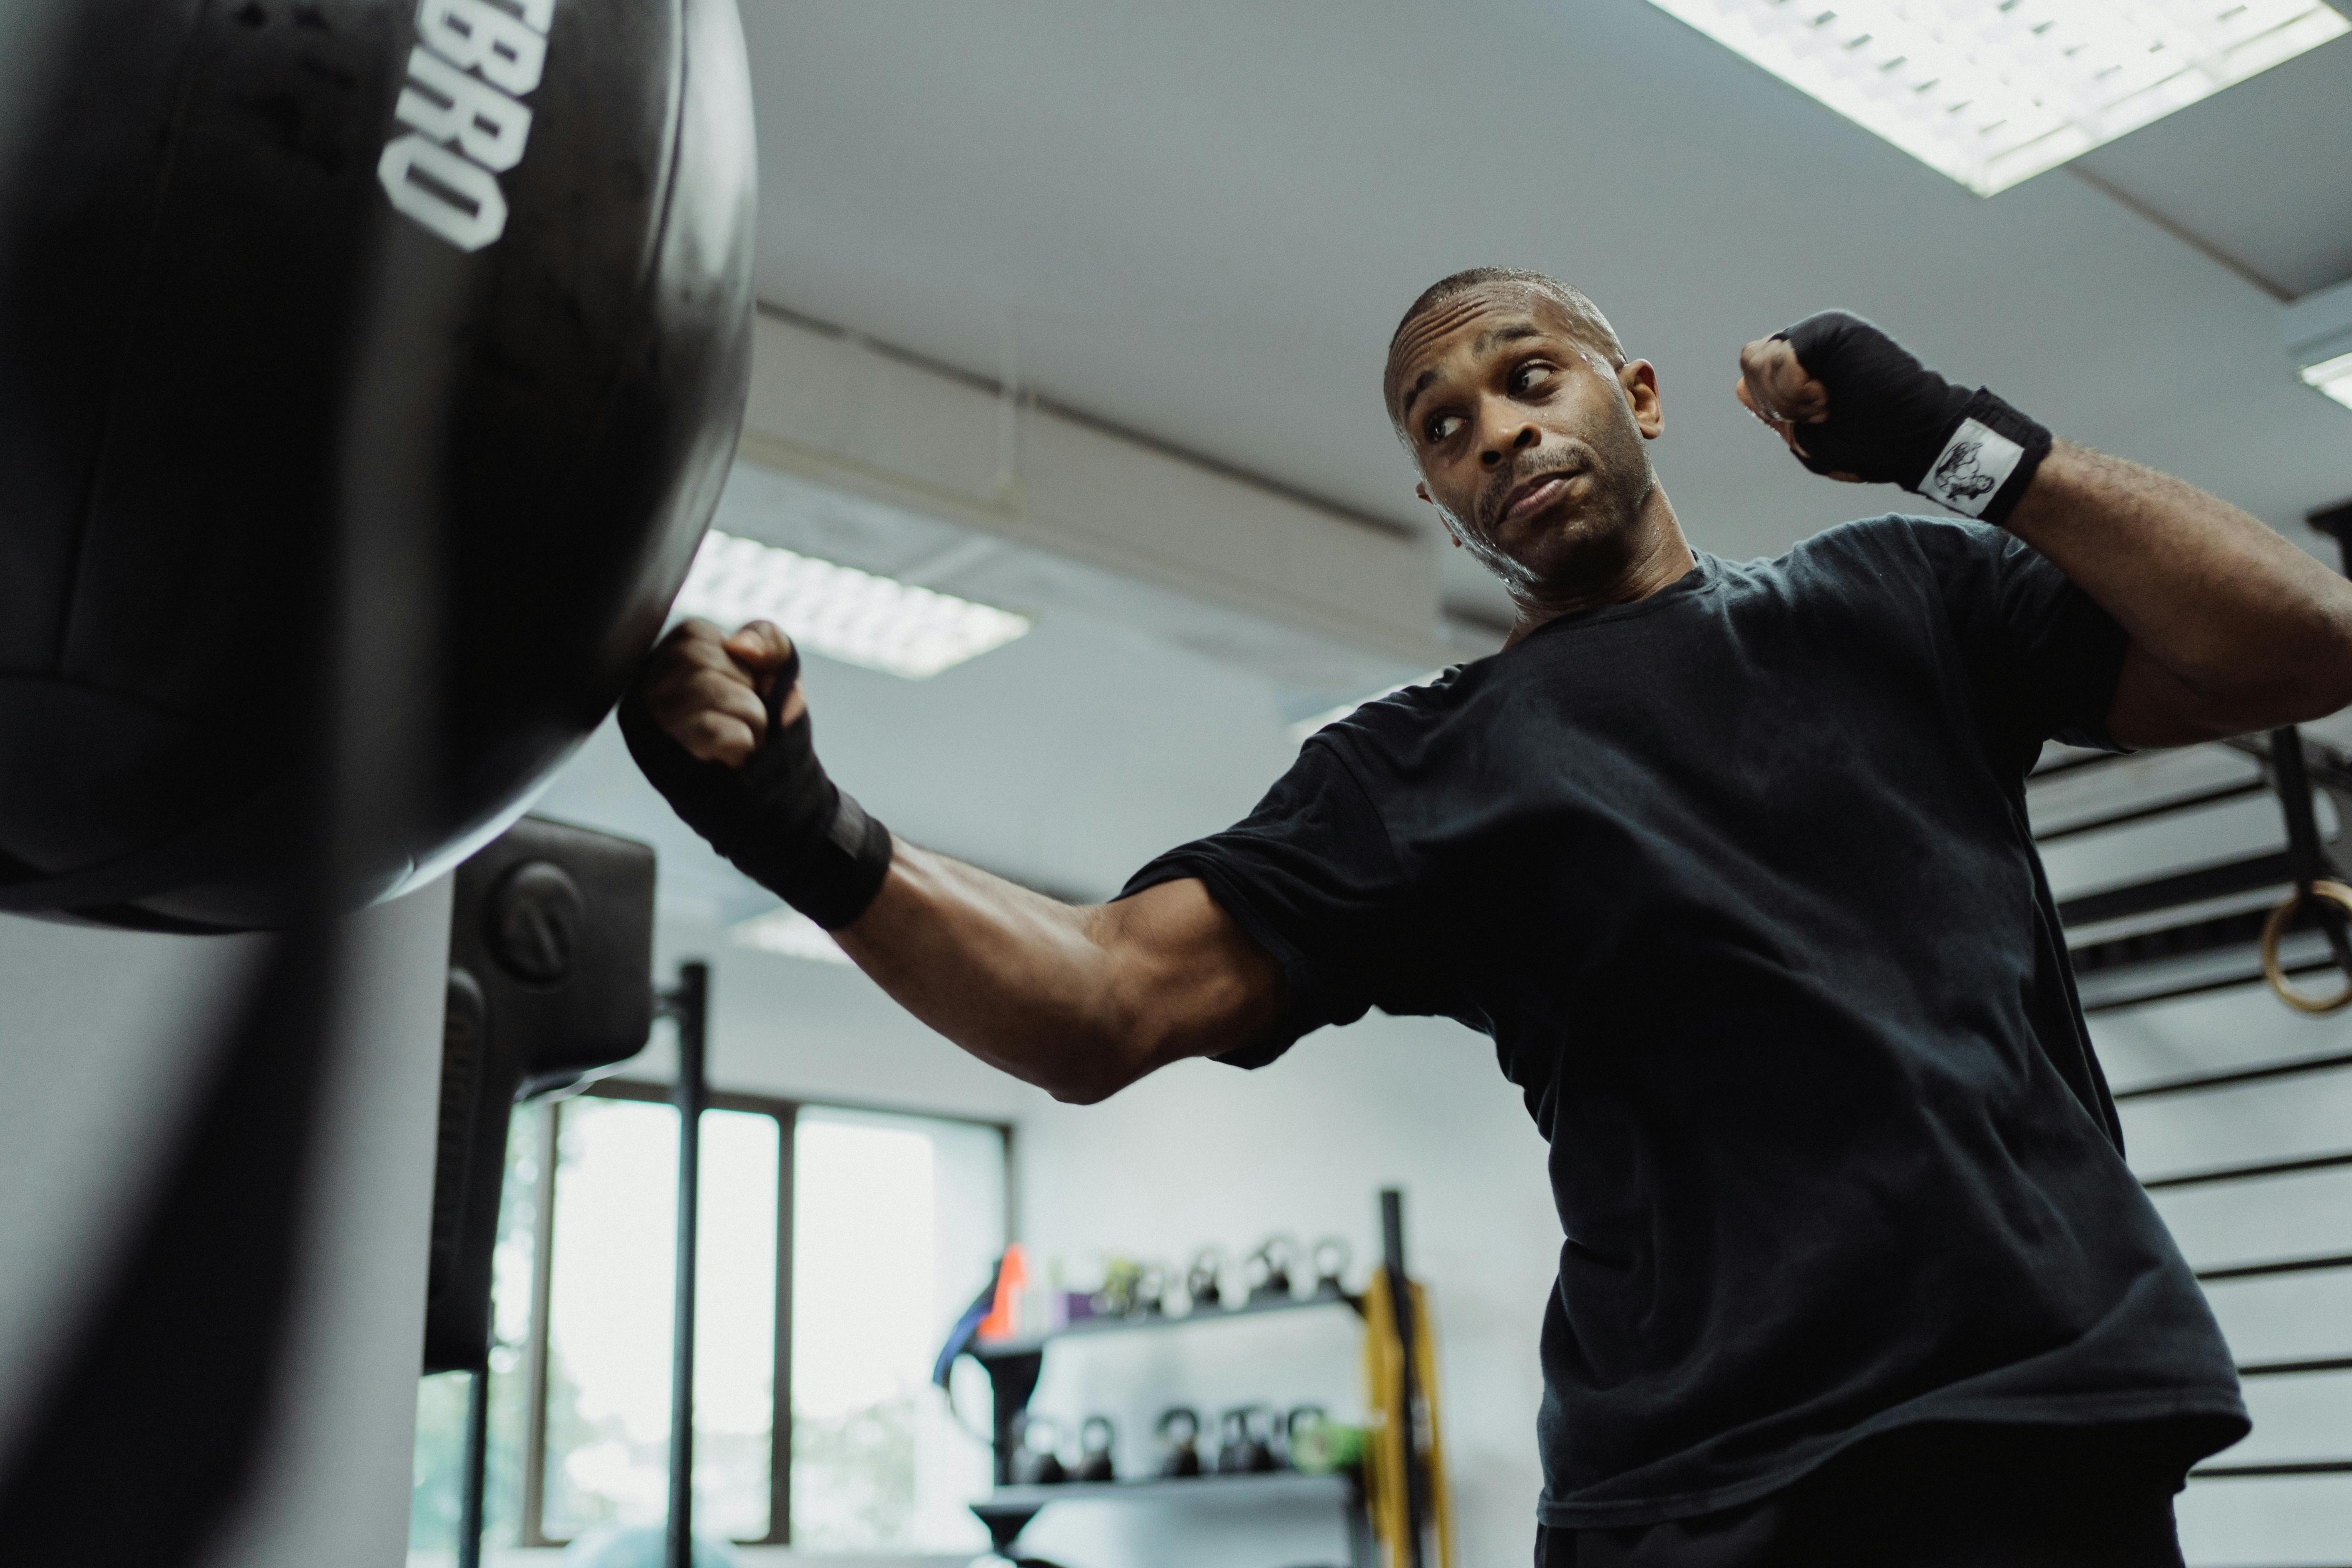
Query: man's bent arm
1079	1000
2232	628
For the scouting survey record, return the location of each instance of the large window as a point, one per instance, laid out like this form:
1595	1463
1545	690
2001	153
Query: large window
836	1245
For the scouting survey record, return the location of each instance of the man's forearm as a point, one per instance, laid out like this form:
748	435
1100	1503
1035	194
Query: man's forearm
2253	629
1079	1000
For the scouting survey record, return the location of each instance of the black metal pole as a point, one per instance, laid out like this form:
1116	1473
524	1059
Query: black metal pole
2337	522
689	1007
476	1482
530	1527
1416	1473
2303	851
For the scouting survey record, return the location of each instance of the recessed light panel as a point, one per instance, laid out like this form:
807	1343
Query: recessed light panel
1995	91
2333	377
877	623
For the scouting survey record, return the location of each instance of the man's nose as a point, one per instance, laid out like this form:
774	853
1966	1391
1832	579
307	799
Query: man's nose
1497	450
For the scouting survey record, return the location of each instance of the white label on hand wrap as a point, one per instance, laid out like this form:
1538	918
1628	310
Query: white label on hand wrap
1975	463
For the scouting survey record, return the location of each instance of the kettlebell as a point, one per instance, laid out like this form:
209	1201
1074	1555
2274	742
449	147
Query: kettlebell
1318	1446
1264	1423
1201	1279
1095	1436
1180	1433
1332	1256
1117	1297
1241	1448
1302	1437
1150	1288
1033	1466
1268	1269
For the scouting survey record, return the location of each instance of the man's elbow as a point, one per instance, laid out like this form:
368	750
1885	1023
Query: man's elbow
2320	680
2324	699
2304	676
1088	1089
1133	1040
1092	1069
2334	678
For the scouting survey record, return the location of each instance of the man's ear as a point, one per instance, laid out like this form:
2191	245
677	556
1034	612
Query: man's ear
1444	516
1639	377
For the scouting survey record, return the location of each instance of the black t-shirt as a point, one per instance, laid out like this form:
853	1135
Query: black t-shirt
1739	880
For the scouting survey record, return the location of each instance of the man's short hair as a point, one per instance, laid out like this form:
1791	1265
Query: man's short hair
1584	317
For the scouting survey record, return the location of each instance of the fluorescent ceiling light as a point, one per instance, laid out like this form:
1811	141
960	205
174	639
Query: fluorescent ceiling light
792	934
1995	91
877	623
2333	377
2319	338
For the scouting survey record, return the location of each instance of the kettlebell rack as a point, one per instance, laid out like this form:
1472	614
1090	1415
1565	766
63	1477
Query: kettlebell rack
1014	1366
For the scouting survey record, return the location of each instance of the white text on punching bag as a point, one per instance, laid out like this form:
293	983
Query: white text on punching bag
474	59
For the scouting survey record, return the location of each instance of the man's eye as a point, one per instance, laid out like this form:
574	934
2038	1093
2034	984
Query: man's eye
1525	378
1443	427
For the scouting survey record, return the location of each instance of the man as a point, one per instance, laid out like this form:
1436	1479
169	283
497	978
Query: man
1732	862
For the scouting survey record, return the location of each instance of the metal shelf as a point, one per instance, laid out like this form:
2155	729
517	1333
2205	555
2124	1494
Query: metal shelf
1090	1328
1014	1367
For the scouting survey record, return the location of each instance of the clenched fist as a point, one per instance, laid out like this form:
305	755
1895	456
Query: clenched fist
709	691
1853	403
696	721
1782	393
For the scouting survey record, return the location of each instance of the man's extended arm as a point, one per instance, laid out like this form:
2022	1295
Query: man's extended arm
2232	627
1079	1000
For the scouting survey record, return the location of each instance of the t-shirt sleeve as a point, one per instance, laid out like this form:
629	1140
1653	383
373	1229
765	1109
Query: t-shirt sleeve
2044	657
1312	876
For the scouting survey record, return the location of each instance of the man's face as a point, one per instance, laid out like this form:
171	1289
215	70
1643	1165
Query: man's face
1529	444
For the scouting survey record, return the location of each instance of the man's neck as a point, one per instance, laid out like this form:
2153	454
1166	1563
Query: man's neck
1649	556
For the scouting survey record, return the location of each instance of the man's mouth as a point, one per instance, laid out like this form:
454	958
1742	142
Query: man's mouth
1535	495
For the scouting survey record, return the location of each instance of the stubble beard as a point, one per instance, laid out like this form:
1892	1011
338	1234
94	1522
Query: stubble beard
1587	543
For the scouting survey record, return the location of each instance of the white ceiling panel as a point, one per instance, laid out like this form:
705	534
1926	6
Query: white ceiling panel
1202	221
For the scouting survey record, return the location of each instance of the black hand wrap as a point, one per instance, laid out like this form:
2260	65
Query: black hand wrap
1894	421
789	827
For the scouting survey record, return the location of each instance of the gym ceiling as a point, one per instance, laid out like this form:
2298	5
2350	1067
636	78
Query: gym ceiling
1200	222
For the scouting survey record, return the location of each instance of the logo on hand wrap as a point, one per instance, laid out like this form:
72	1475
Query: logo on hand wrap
1972	468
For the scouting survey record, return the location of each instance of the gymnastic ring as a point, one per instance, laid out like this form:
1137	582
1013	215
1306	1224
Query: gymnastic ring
2274	929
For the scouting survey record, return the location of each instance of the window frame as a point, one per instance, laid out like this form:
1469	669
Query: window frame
547	1124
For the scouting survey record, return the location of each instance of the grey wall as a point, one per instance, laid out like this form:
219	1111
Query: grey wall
94	1062
334	1482
100	1036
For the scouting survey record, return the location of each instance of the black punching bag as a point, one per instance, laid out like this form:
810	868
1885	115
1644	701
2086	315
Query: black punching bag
324	315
